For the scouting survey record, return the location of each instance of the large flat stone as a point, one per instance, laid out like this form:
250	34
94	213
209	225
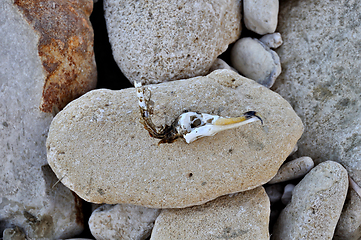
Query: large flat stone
99	149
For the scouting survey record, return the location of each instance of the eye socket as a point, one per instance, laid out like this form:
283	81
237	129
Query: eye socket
196	123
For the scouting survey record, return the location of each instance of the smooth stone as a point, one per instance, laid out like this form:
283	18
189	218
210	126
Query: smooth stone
240	216
260	16
28	199
272	40
293	170
125	165
159	41
321	69
256	61
122	221
316	204
287	194
274	192
348	226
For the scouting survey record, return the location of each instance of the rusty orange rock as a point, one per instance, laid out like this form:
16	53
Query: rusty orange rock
65	48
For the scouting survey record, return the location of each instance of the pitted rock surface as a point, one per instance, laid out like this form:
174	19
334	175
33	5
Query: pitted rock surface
242	216
29	199
157	41
321	64
102	152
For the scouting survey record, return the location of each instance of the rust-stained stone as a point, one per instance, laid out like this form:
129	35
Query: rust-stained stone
65	48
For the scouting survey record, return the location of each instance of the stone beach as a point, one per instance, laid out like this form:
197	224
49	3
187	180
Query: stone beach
80	145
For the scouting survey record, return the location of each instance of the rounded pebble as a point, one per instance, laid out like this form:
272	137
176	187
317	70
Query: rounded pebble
260	16
272	40
293	169
256	61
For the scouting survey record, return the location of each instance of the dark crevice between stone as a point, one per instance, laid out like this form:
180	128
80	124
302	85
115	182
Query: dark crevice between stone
109	74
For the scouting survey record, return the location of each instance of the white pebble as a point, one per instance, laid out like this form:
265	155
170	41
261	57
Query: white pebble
272	40
256	61
261	16
293	169
287	194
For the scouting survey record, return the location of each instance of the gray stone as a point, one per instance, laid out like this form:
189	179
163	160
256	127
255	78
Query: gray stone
157	41
321	80
321	68
348	226
315	206
272	40
240	216
256	61
293	169
122	221
29	68
260	16
101	130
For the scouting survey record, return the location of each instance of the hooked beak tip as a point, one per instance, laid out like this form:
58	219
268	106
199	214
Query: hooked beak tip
251	114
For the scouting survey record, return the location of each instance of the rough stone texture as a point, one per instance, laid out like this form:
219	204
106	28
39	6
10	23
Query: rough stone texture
65	48
156	41
315	206
348	226
293	169
27	197
123	222
260	16
256	61
101	130
240	216
321	60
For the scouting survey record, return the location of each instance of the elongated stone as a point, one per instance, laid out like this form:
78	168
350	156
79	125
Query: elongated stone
315	206
100	150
